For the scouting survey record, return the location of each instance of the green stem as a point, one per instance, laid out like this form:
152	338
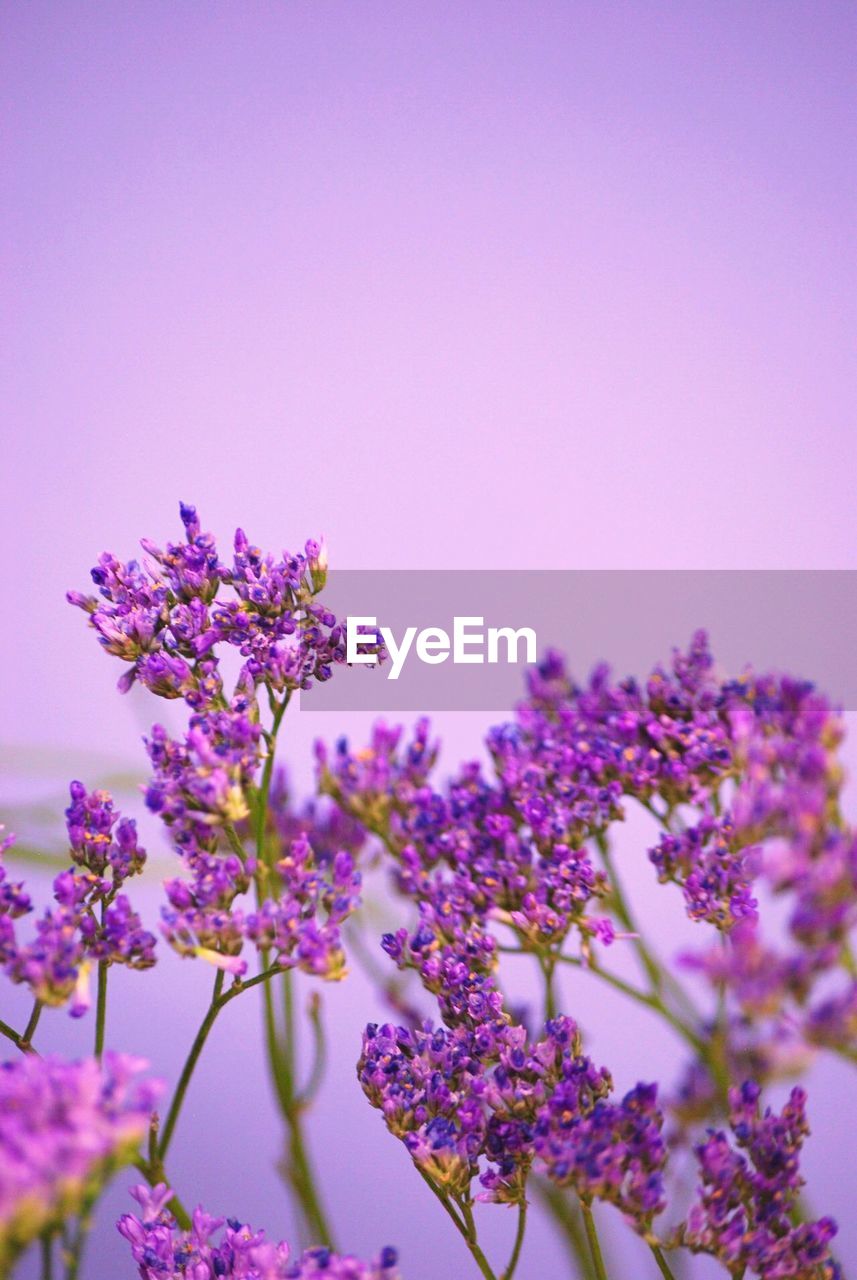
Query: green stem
101	1009
620	905
444	1200
74	1257
662	1262
276	1061
472	1242
316	1074
563	1211
219	1000
281	1052
519	1241
464	1225
267	774
548	966
18	1041
650	999
190	1065
304	1184
592	1239
153	1168
30	1029
235	841
47	1251
289	1025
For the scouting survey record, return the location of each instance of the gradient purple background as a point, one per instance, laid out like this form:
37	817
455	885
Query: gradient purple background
483	285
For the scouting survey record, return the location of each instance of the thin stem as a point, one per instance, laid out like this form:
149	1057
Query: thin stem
620	905
101	1009
444	1200
289	1024
519	1241
316	1074
304	1184
655	972
153	1168
562	1210
267	774
74	1257
548	965
189	1066
650	999
281	1052
666	1272
592	1238
235	841
276	1061
472	1242
47	1252
463	1225
30	1029
18	1041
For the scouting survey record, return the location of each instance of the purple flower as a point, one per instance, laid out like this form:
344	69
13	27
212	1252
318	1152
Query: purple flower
168	618
227	1249
606	1150
201	784
301	923
459	1096
713	868
65	1127
91	922
743	1212
100	840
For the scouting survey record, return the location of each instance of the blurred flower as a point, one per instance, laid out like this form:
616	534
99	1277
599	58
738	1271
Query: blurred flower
743	1215
215	1247
65	1127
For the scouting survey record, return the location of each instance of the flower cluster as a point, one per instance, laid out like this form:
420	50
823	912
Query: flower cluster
92	922
329	828
170	619
229	1249
471	855
744	1212
613	1152
714	870
743	777
64	1128
200	785
301	924
589	746
297	926
458	1097
167	617
782	833
743	781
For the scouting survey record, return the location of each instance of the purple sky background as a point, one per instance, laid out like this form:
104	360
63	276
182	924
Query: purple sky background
485	285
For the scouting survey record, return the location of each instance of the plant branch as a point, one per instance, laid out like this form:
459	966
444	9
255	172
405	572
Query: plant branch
593	1241
101	1009
219	1000
30	1029
509	1271
664	1266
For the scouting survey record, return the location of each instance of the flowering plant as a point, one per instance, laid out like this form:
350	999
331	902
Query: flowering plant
740	780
